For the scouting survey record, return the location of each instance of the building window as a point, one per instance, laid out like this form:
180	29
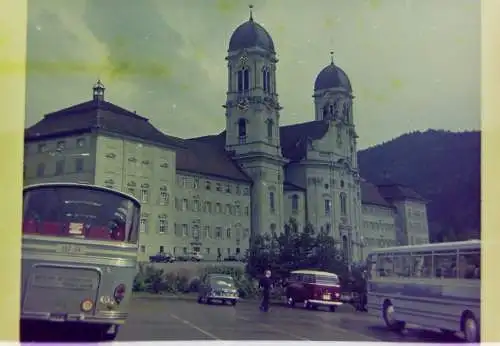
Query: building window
60	146
242	131
218	208
144	195
228	188
272	206
266	79
328	206
270	128
328	228
79	165
218	233
42	148
207	251
342	184
40	169
184	205
343	204
228	233
247	211
295	203
185	231
80	142
243	80
246	191
60	167
207	207
238	190
196	205
196	183
143	225
164	198
143	248
163	225
218	187
237	209
208	185
228	209
206	232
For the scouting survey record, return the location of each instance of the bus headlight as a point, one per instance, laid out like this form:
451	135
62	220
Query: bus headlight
86	305
119	293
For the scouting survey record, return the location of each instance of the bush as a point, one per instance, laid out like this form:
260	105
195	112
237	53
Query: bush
154	280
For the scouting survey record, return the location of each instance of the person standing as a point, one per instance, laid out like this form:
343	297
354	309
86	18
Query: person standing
265	285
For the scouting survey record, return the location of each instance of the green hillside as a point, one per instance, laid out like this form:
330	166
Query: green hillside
443	167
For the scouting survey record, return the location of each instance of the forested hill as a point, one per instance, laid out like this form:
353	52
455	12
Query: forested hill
443	167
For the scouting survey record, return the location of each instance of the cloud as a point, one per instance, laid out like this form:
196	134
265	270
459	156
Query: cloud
412	64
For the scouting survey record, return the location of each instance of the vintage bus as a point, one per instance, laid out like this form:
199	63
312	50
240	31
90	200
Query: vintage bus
79	257
436	286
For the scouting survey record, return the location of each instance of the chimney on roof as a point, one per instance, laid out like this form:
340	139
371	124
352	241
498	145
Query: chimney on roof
98	91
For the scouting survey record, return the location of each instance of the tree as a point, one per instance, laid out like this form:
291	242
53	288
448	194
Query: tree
293	249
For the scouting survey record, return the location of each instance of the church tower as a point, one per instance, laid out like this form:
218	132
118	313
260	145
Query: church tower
252	121
333	100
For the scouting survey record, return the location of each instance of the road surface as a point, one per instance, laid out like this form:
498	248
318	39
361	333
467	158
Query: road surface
155	318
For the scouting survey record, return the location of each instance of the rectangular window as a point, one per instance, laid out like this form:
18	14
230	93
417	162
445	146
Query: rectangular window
238	190
272	207
247	211
246	191
143	225
228	188
196	183
206	232
207	251
328	206
246	80
218	208
184	206
185	231
196	206
218	187
218	233
79	165
240	81
469	264
208	185
163	198
229	251
60	167
40	170
80	142
144	195
229	210
228	233
163	225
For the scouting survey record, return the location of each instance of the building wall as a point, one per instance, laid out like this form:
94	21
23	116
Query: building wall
212	216
65	159
416	222
378	228
148	173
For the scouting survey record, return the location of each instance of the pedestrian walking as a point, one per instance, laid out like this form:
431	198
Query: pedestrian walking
265	285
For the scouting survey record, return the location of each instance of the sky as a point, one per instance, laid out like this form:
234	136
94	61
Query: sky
413	64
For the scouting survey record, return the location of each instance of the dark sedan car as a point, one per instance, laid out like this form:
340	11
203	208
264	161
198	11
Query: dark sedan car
218	288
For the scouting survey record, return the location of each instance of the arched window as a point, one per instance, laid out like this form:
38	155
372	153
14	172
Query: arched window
266	80
270	128
343	204
242	131
243	79
295	203
272	206
345	247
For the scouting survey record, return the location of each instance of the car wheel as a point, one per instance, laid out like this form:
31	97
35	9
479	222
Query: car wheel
290	302
470	328
333	308
389	320
200	300
209	301
307	305
233	302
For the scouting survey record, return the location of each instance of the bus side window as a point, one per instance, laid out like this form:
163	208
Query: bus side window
469	265
422	266
445	265
385	265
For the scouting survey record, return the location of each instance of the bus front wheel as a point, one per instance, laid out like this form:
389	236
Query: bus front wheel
389	319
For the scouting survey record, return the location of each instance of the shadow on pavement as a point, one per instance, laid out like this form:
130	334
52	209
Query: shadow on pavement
47	332
411	334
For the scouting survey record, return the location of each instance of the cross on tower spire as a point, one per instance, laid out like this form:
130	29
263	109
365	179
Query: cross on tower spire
251	12
331	56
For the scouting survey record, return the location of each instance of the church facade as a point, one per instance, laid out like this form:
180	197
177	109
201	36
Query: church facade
209	194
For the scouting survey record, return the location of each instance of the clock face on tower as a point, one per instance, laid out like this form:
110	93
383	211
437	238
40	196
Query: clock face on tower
243	104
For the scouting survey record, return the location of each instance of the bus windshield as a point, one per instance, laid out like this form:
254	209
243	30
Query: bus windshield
80	212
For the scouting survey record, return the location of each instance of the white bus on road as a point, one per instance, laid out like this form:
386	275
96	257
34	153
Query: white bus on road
433	285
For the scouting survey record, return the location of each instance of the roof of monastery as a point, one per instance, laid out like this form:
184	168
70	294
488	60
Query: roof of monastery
204	155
